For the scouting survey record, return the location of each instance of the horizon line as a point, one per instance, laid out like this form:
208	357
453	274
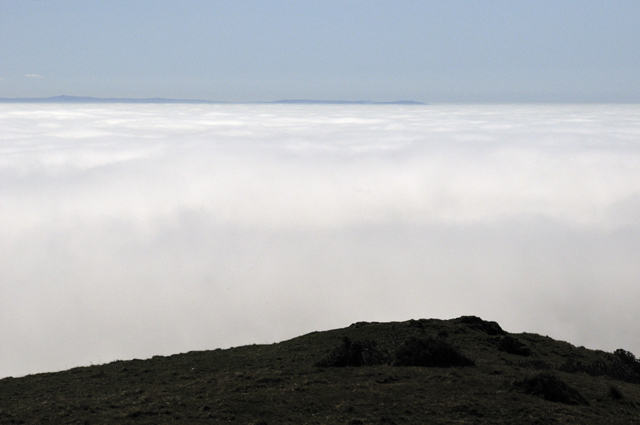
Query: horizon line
90	99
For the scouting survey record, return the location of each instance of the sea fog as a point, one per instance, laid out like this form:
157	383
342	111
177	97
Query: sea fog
129	231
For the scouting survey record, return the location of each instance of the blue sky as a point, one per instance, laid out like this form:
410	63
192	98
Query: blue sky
431	51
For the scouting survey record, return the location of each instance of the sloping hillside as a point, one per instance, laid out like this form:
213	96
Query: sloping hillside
457	371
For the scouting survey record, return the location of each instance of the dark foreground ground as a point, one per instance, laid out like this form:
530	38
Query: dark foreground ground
459	371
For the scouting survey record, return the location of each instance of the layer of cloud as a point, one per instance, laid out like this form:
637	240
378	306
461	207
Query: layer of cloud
135	230
33	75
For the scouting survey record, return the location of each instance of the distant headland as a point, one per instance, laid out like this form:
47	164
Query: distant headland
88	99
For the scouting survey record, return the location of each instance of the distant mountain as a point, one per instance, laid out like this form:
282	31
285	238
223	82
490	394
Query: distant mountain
88	99
428	371
346	102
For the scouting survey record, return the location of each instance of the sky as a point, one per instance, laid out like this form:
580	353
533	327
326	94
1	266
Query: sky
130	231
470	51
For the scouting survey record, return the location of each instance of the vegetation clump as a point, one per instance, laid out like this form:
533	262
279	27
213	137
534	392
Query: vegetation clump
415	351
615	393
355	354
474	322
430	352
622	365
551	388
627	358
512	345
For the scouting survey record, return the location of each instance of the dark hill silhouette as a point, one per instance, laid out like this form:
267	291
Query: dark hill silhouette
464	370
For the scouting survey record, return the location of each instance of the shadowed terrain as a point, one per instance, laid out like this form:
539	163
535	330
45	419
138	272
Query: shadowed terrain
427	371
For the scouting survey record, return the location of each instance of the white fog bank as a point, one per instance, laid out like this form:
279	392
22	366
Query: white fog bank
135	230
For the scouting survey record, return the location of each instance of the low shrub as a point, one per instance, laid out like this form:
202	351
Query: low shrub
627	357
551	388
621	365
512	345
474	322
353	354
615	393
429	352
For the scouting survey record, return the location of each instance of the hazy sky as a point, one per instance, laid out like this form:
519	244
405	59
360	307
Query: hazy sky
432	51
